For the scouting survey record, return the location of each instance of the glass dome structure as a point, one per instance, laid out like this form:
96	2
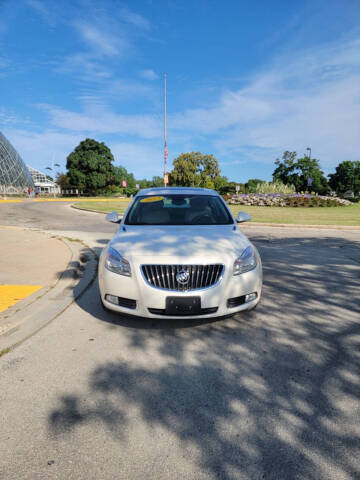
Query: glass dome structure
14	175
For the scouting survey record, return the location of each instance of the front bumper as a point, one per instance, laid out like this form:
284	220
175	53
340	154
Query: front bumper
150	299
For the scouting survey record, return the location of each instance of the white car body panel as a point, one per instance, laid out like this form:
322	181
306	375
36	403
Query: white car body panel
183	245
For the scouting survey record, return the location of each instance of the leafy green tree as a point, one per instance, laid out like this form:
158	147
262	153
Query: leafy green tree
346	177
251	184
310	168
122	174
144	183
62	179
297	171
195	170
90	167
185	168
221	185
157	182
285	168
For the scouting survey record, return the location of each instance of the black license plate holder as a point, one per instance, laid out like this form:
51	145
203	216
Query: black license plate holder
182	306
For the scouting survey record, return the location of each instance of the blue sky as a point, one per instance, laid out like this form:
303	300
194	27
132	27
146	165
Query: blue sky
246	80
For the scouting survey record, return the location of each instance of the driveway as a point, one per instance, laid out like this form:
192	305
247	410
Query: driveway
272	394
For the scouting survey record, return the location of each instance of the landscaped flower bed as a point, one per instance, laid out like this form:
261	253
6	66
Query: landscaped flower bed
287	200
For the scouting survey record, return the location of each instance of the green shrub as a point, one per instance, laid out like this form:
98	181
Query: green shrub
274	187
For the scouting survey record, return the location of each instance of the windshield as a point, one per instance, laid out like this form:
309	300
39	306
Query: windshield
178	210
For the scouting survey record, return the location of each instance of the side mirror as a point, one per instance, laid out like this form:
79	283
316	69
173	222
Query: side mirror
243	217
113	217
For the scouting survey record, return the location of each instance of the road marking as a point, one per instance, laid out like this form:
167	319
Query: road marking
11	294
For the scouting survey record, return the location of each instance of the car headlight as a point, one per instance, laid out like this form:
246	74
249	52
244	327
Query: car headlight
117	263
246	261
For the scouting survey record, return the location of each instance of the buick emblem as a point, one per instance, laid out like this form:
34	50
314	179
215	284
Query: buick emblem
183	276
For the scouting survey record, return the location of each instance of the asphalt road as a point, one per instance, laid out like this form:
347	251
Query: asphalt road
52	216
271	394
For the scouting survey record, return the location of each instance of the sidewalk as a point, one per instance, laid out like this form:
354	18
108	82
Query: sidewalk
30	263
39	277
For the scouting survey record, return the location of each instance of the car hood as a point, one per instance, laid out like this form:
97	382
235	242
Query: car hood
180	244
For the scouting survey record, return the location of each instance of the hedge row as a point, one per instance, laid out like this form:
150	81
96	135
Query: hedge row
289	200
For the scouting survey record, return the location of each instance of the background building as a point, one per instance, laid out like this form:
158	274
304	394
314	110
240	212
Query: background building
41	181
14	175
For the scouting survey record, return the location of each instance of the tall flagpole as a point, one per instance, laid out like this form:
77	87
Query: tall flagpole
165	146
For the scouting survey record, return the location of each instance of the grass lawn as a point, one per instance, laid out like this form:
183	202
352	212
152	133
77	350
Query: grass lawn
105	205
291	215
303	216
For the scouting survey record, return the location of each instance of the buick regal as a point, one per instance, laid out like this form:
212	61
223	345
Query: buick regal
179	252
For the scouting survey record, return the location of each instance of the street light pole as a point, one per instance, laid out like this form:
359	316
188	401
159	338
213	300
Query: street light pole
52	171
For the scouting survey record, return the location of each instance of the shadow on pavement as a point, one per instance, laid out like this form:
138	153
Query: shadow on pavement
273	394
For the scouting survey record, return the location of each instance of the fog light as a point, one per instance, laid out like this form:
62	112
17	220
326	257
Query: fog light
250	297
112	299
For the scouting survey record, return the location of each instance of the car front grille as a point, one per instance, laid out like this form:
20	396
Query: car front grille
203	311
199	276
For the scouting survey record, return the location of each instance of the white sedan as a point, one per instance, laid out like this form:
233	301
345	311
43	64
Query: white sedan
179	253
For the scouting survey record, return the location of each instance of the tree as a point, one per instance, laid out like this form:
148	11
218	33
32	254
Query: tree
285	168
144	183
62	179
250	185
184	172
346	177
310	168
90	167
121	174
222	186
157	182
195	170
297	171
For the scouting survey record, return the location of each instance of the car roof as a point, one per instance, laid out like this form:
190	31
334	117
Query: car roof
177	191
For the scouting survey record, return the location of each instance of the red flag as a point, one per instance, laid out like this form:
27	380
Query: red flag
165	152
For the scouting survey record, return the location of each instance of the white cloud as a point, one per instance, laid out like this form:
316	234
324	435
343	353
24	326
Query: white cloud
312	98
84	66
38	148
129	88
149	74
106	32
134	19
309	98
97	119
100	41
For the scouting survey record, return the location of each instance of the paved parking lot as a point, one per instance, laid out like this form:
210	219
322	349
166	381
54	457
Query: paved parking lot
272	394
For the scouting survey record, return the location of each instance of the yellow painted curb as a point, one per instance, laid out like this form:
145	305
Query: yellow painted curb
79	199
11	294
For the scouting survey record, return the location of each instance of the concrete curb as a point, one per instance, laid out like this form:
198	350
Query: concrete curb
262	224
87	209
31	315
